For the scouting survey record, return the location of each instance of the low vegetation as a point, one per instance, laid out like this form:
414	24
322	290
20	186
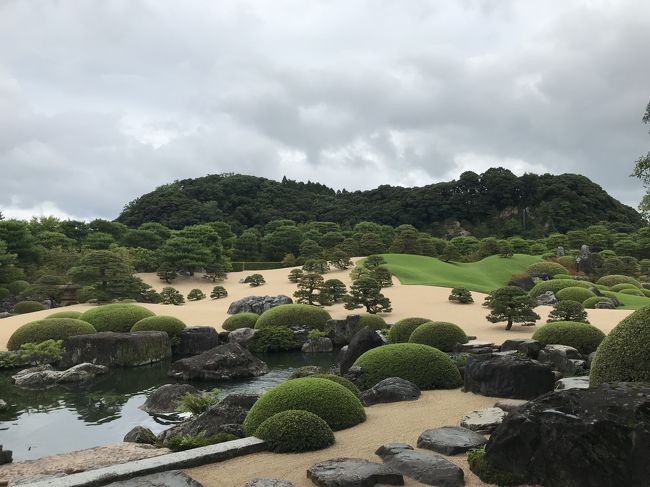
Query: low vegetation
295	431
51	329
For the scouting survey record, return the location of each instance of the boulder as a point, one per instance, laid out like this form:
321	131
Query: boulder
6	456
392	389
268	483
605	305
364	340
140	434
427	468
509	405
257	304
484	420
451	440
227	416
561	357
117	349
475	347
572	383
547	299
306	371
598	437
230	361
195	340
511	377
46	376
352	472
317	345
162	401
243	336
82	373
342	331
172	478
525	282
527	346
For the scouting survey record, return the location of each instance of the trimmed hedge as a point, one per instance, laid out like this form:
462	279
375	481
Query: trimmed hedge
240	320
116	317
49	329
590	303
623	355
546	267
632	292
373	321
574	293
401	331
339	380
169	324
295	431
625	285
256	266
65	314
304	315
425	366
439	334
615	279
332	402
562	276
17	287
27	307
556	285
583	337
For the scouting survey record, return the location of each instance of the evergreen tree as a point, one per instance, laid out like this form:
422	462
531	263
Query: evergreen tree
568	311
512	305
366	292
309	288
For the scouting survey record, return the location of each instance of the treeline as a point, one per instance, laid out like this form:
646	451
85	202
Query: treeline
496	203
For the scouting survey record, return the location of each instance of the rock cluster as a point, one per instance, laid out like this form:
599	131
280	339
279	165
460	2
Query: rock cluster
46	376
257	304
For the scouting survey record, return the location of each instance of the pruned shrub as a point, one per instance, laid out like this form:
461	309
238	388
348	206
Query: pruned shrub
574	294
373	321
171	295
169	324
583	337
619	287
27	307
274	339
425	366
556	285
304	315
254	280
623	355
330	401
546	267
218	292
615	279
590	303
562	276
439	334
86	294
401	331
17	287
240	320
339	380
333	290
64	314
115	317
632	292
568	311
4	293
489	474
195	295
461	295
295	275
295	431
50	329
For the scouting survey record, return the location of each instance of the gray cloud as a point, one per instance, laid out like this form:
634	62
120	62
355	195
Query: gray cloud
103	101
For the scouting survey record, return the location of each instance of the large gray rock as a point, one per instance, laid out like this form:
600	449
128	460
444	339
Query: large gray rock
342	331
6	456
510	405
527	346
162	401
598	437
195	340
317	345
567	360
572	383
427	468
364	340
547	299
257	304
268	483
81	373
226	416
230	361
392	389
352	472
483	420
46	376
172	478
117	349
141	435
450	440
244	336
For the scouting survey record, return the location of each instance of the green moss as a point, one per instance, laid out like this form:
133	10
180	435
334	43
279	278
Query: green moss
172	326
115	317
489	474
574	293
65	314
287	315
27	307
439	334
581	336
295	431
240	320
401	331
49	329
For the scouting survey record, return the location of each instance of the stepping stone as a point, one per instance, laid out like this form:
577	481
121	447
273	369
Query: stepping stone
450	440
269	483
427	468
173	478
352	472
392	389
572	383
510	405
483	421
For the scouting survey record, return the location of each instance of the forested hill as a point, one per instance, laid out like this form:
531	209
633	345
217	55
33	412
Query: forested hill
496	203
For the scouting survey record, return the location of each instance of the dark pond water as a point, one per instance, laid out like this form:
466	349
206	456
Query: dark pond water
61	420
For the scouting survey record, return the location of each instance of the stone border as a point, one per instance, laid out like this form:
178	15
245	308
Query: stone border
172	461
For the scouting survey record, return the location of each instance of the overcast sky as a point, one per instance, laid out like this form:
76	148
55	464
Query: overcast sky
102	101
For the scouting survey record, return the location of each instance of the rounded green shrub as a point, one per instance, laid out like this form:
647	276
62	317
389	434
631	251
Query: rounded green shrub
373	321
50	329
401	331
646	292
240	320
172	326
195	295
27	307
274	339
625	285
546	267
562	276
632	292
590	303
425	366
115	317
64	314
304	315
339	380
439	334
17	287
4	293
295	431
623	355
615	279
556	285
330	401
86	294
575	293
581	336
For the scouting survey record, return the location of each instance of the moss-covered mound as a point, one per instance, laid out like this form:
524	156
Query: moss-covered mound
591	303
615	279
581	336
373	321
546	267
623	355
620	287
556	285
49	329
64	314
574	293
115	317
328	400
295	431
401	331
27	307
303	315
173	326
427	367
240	320
633	292
439	334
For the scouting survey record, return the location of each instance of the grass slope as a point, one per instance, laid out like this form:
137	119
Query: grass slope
632	302
483	276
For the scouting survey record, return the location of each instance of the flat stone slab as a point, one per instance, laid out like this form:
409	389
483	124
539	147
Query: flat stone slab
174	478
484	420
450	440
428	468
572	383
269	483
510	405
352	472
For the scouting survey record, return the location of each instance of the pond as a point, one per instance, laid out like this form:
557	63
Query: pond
60	420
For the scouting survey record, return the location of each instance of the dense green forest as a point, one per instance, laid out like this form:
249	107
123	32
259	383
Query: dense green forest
495	203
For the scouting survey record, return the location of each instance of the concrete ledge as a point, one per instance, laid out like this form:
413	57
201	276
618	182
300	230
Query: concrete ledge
162	463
